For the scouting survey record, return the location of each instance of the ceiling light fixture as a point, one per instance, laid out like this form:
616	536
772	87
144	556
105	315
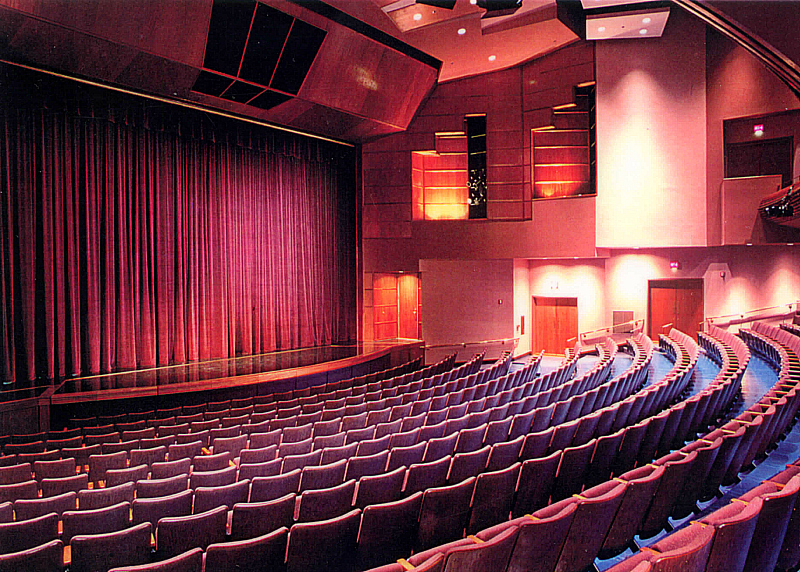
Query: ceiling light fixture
643	31
462	31
417	17
492	58
647	20
601	29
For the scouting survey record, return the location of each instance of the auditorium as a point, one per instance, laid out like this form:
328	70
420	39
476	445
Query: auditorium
399	285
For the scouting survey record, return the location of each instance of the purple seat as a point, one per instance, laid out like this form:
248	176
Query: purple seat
358	467
178	534
25	534
132	474
161	487
154	509
258	518
297	434
641	485
7	510
250	471
91	499
493	498
169	469
189	450
505	454
322	504
219	478
264	552
99	464
52	469
734	526
26	509
572	470
773	519
265	439
684	551
327	441
632	440
46	557
421	476
470	464
404	438
215	462
596	509
96	521
439	447
189	561
388	531
325	545
677	466
330	427
260	455
270	488
333	454
381	488
292	462
605	455
536	444
491	555
59	486
535	483
444	512
323	476
207	498
540	538
406	456
103	551
373	446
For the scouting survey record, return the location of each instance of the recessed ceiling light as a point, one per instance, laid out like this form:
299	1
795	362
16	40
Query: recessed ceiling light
601	29
492	58
417	17
646	20
643	31
473	2
462	31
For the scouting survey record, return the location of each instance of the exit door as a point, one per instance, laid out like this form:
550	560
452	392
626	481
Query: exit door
555	322
675	302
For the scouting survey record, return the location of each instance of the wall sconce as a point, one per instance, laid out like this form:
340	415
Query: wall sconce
758	130
675	265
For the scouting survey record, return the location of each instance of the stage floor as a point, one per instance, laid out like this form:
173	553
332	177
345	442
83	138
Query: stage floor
232	372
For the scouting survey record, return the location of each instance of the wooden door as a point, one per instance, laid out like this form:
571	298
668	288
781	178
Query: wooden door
384	292
555	322
407	306
676	302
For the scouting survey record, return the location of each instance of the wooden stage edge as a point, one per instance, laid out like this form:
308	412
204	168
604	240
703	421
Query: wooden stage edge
34	414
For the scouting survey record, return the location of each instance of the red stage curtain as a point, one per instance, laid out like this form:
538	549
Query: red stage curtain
135	234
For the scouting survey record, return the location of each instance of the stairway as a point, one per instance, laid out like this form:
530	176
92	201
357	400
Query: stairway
564	152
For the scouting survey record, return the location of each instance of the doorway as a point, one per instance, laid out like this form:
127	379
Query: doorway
677	302
555	322
396	306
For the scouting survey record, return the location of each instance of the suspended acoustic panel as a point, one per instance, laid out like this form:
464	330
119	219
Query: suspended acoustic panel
270	53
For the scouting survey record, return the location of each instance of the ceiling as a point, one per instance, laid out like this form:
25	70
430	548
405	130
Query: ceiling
377	60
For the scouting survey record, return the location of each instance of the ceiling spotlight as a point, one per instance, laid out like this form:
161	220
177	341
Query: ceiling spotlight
643	31
462	31
647	20
492	58
601	29
446	4
417	17
473	2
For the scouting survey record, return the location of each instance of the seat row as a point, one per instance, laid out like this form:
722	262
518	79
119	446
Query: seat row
661	489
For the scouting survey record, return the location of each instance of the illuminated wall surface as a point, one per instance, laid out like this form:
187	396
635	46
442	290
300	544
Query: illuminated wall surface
660	107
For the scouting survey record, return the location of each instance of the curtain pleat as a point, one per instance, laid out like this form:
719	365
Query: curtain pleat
132	236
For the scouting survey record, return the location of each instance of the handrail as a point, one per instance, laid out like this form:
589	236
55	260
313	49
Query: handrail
742	315
465	344
606	329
